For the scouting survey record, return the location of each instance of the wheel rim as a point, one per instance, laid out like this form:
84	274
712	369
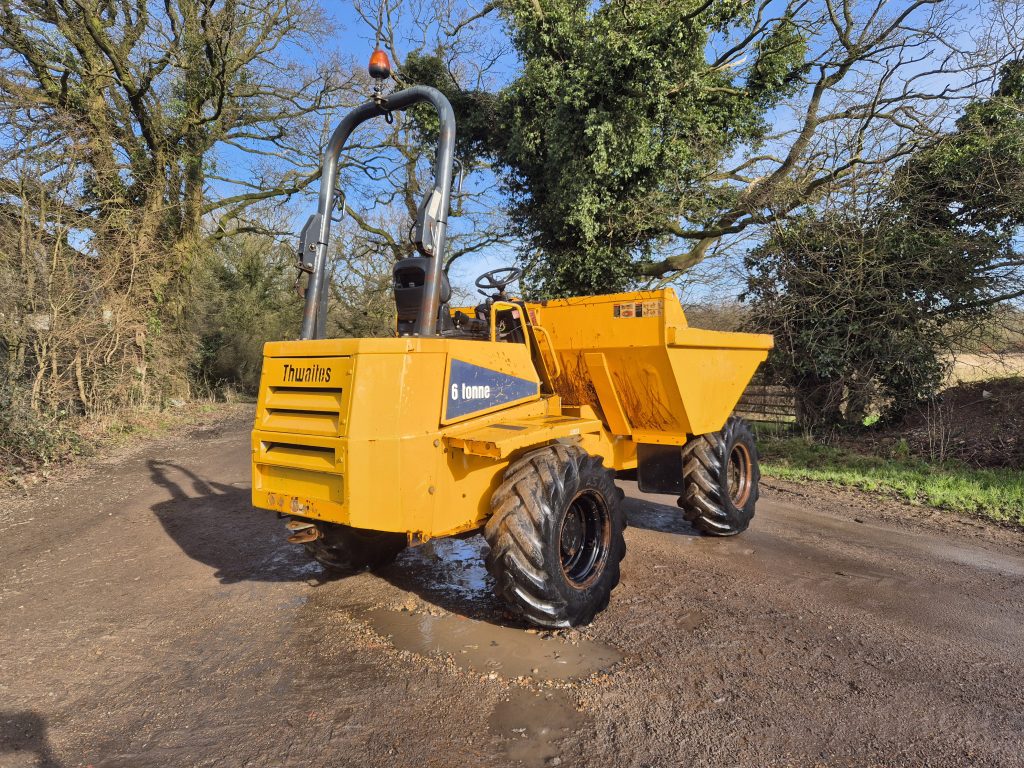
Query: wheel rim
584	539
740	472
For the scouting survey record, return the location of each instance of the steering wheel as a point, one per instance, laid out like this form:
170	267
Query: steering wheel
498	279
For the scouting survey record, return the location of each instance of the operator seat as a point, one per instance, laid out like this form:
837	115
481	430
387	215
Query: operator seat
409	277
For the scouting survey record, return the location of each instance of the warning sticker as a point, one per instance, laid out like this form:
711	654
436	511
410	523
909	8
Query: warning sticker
650	308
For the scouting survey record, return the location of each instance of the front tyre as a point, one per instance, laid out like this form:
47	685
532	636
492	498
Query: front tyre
720	479
555	536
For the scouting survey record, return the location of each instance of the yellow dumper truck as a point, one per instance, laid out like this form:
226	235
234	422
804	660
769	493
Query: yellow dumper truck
511	418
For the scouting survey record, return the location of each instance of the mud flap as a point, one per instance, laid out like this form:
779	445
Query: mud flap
659	468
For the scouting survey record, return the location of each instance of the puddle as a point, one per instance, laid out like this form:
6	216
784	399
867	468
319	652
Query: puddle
484	647
454	566
532	726
287	562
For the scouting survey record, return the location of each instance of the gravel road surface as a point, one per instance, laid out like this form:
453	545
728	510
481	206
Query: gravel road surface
150	617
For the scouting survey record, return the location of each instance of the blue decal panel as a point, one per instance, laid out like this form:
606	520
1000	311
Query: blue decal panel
472	388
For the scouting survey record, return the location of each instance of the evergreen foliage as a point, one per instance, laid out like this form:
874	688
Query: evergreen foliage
608	137
861	295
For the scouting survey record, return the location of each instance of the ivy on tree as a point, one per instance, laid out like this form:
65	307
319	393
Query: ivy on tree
614	129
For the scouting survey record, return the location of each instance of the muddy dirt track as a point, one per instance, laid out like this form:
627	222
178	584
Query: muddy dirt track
149	617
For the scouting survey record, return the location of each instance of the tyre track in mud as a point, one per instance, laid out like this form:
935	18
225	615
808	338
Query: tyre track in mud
150	617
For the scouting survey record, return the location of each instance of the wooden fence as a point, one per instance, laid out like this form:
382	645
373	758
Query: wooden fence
770	403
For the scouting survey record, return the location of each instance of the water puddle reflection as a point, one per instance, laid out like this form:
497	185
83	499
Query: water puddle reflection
487	648
531	726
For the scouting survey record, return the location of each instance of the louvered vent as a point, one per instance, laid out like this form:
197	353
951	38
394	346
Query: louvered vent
303	410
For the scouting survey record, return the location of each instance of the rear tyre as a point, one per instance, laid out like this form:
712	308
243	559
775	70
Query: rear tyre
342	550
555	536
720	479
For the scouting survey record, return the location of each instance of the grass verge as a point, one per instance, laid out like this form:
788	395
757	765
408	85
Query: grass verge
997	494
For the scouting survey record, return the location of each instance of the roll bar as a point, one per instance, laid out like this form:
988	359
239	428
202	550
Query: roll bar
314	318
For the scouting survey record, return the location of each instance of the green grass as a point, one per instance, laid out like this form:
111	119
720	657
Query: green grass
997	494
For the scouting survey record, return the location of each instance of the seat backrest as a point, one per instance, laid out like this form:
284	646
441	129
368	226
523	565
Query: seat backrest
409	277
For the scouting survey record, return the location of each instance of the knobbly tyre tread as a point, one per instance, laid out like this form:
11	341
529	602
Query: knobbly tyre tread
343	551
527	506
705	501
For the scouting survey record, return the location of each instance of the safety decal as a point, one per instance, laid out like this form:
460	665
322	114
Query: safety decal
472	388
650	308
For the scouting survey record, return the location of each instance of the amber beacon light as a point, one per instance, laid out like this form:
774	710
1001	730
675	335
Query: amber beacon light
380	67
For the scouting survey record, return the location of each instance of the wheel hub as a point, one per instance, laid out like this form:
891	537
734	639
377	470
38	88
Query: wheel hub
584	539
739	473
572	534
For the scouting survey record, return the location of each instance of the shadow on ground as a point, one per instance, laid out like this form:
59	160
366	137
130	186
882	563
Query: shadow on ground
652	516
23	738
216	524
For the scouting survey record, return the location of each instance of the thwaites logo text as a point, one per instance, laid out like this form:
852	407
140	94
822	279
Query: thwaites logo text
307	374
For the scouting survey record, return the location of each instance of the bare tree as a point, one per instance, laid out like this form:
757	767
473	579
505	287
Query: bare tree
883	80
131	132
149	93
459	35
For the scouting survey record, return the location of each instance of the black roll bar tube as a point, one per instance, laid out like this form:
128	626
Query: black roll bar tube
314	318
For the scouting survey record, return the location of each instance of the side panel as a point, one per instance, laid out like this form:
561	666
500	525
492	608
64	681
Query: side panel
464	483
472	389
628	332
